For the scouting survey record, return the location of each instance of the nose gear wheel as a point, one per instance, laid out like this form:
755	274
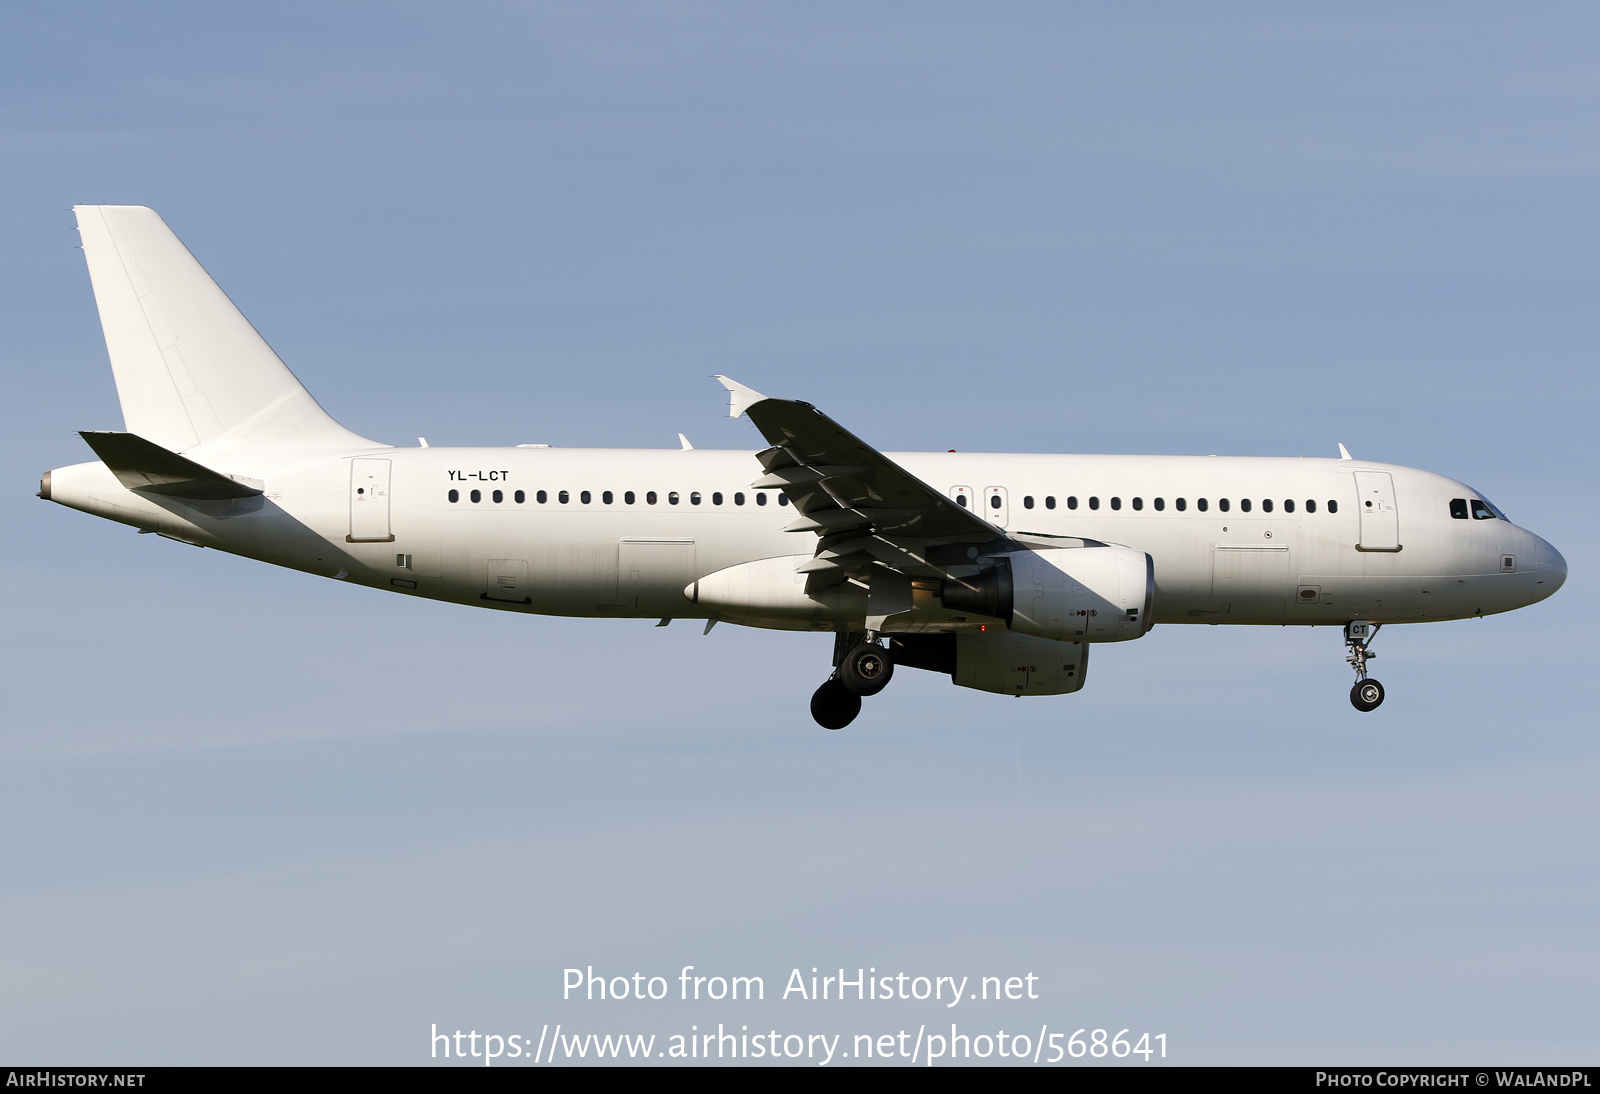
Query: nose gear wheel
1367	694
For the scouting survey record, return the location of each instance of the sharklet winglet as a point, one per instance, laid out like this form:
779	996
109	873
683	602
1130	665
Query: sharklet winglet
740	398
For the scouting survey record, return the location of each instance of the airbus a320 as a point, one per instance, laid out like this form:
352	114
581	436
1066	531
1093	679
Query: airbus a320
1000	571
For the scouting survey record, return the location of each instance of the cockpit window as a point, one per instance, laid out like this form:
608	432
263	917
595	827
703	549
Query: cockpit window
1484	509
1458	508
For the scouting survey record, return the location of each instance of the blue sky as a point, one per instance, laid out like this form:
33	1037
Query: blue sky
253	816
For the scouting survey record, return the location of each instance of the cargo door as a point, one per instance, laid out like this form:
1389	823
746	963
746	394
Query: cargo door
652	573
508	581
1249	583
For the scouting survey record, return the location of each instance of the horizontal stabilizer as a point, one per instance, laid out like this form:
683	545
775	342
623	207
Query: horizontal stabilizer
141	465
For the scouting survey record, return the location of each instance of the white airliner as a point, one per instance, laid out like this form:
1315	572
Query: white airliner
998	570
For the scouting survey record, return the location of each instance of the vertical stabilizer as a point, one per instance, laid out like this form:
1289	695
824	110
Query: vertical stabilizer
190	369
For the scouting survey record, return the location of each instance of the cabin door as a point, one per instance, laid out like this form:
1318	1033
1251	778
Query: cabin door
369	502
1380	518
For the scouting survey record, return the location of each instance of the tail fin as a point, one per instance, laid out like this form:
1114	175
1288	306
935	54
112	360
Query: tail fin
190	368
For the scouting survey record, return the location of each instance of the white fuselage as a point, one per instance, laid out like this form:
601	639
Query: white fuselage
1309	550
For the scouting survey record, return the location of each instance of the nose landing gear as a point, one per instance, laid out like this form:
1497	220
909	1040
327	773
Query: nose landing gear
860	668
1367	694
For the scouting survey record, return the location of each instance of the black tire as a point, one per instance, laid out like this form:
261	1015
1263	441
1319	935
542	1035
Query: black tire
1366	695
866	669
835	706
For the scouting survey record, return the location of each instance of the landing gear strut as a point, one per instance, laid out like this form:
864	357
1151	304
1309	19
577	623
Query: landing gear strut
1367	694
861	667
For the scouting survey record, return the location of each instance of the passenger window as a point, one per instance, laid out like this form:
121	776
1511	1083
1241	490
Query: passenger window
1116	503
1182	504
563	497
1481	510
1333	506
1222	504
738	499
454	495
761	499
586	497
1049	501
1311	506
716	499
476	496
1161	504
694	498
1072	502
1266	505
1288	505
607	496
994	501
1027	501
783	499
1201	504
519	497
961	500
541	497
1244	505
1138	503
650	497
627	498
1094	503
672	497
498	497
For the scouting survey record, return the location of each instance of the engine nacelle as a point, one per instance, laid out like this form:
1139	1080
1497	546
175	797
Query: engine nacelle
1083	594
1019	664
997	661
772	589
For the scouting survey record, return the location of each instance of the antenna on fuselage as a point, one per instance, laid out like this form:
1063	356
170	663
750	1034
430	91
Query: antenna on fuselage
1344	453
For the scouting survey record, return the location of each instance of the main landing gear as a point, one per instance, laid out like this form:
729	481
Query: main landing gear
861	667
1366	694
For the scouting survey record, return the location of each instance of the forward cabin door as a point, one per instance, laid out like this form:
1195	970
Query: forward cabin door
1380	518
369	502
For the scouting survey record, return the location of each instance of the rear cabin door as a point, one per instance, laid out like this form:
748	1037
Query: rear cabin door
1380	518
369	502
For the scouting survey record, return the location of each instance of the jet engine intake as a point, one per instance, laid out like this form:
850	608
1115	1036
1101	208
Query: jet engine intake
1085	594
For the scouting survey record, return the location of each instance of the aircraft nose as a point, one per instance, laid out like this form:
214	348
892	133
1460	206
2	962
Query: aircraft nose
1551	568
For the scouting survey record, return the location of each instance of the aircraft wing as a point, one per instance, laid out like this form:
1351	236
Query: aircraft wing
862	505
